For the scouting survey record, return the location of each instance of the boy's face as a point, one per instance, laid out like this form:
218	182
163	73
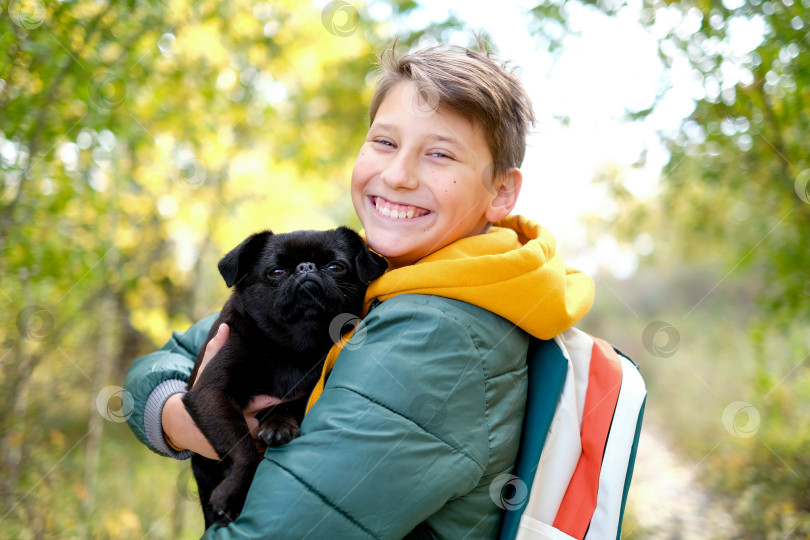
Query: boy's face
422	179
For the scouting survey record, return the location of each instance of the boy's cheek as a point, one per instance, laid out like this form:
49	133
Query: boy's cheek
360	209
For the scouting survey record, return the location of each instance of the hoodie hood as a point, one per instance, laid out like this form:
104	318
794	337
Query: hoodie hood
514	270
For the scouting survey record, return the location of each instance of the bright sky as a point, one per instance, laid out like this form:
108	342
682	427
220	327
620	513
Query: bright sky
610	68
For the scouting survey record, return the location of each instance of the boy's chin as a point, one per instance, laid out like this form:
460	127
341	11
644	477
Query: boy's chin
394	254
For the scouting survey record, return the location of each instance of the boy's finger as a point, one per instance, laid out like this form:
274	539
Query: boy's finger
216	343
213	346
253	425
256	405
261	402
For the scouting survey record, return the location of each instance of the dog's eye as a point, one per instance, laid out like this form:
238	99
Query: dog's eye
275	273
336	267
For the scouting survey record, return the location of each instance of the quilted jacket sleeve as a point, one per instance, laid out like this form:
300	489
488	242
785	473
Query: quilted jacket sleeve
399	431
153	378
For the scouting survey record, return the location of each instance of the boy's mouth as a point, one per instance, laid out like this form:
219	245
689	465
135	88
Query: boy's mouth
395	210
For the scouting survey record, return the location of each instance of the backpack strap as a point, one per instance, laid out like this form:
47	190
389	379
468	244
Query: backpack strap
604	382
577	480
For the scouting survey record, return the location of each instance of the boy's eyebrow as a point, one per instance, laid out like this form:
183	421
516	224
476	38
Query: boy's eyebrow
444	138
382	127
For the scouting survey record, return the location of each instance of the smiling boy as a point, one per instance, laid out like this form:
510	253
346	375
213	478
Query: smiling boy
423	178
416	416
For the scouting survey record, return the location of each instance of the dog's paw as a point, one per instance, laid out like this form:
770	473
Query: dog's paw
276	430
225	506
223	517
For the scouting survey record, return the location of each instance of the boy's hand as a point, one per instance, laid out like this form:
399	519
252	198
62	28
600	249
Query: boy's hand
180	428
181	431
213	347
257	405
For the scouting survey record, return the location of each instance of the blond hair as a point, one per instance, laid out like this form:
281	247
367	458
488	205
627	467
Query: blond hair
469	83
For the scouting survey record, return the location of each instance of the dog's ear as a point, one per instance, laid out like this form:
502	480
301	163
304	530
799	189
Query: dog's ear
369	265
238	262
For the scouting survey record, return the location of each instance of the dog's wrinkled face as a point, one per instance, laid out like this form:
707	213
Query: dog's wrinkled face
294	284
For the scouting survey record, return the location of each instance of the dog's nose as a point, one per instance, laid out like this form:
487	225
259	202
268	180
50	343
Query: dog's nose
305	267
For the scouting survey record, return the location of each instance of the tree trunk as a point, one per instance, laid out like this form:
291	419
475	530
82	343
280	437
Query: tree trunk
105	399
12	444
101	411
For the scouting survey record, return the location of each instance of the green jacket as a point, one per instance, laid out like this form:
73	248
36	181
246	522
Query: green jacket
416	420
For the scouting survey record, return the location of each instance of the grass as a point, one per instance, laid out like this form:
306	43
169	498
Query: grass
138	494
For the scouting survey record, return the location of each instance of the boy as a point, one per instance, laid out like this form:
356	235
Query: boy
417	418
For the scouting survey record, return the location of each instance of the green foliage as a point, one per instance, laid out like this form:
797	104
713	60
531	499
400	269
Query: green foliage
736	176
139	141
731	228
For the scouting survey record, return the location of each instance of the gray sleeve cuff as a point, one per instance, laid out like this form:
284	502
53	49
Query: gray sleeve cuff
153	414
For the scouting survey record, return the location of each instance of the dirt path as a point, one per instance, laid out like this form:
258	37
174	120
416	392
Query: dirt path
666	499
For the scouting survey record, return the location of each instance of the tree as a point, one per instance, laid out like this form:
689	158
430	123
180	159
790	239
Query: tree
139	141
738	171
735	195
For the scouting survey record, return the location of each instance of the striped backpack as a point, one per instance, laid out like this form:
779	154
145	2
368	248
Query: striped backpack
578	446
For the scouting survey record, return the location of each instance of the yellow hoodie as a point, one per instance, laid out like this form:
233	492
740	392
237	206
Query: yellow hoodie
513	271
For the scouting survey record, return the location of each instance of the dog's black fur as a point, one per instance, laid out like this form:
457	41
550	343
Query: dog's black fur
288	289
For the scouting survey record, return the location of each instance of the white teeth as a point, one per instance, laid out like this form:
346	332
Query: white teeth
394	214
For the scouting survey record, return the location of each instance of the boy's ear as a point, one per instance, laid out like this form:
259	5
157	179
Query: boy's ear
506	187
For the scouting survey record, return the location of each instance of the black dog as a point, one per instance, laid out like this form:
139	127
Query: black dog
288	288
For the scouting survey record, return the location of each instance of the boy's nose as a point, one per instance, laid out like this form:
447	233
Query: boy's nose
400	172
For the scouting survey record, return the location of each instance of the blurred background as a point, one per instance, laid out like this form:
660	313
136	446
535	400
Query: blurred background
142	140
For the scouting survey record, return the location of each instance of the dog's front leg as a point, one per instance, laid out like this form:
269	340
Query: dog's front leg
220	419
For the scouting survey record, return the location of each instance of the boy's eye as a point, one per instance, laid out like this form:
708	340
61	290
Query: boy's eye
385	142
